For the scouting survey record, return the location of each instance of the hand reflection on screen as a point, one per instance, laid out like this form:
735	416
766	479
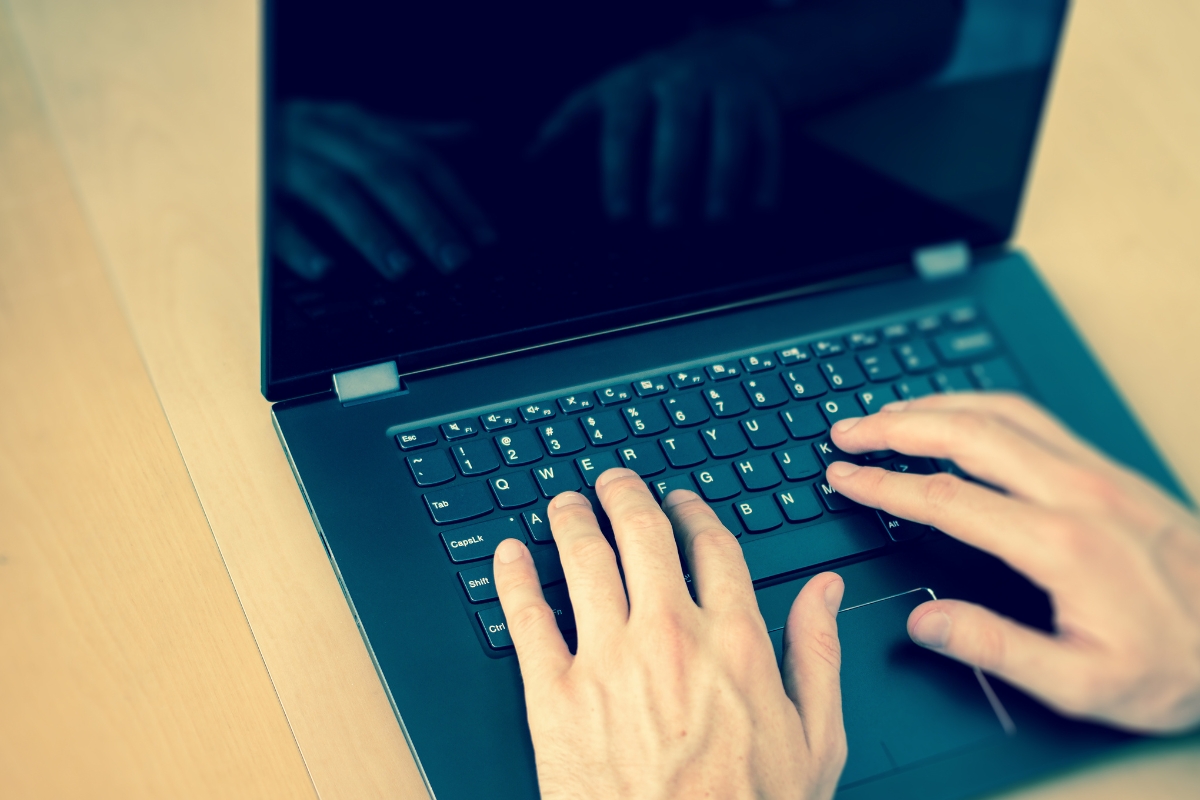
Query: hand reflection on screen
379	184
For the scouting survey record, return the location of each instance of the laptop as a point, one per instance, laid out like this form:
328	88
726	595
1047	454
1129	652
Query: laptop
507	248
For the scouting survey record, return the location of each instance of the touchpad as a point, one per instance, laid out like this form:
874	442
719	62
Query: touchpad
904	704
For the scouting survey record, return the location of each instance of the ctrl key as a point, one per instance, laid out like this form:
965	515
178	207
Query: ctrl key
495	628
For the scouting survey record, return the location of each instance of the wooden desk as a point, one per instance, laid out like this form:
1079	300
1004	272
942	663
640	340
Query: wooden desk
129	365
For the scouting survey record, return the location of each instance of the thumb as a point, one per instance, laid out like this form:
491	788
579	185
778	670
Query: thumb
812	661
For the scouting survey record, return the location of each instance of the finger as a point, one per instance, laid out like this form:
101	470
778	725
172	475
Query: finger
624	109
649	555
770	140
454	197
541	650
411	206
572	112
295	249
812	663
730	152
719	573
675	148
1040	664
590	566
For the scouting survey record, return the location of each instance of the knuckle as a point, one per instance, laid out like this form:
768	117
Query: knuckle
991	649
941	491
590	547
715	540
825	646
643	520
529	616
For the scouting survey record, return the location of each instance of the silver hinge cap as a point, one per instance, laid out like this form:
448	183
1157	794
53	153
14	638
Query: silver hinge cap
945	260
367	383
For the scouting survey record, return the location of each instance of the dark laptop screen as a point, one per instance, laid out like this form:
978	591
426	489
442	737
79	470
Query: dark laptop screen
453	179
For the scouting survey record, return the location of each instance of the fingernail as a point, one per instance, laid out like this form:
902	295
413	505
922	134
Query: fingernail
508	551
453	256
678	496
833	596
932	630
397	262
841	469
899	405
613	474
843	425
571	499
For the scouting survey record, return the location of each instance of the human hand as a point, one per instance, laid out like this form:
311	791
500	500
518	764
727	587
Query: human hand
666	696
345	163
1119	559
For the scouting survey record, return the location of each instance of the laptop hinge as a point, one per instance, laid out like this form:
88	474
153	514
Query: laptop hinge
945	260
365	384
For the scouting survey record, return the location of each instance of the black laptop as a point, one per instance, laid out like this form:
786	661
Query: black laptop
508	247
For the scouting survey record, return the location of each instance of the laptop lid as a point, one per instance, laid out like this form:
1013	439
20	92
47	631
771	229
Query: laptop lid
449	181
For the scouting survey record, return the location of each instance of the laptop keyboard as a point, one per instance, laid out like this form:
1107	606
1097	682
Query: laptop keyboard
749	433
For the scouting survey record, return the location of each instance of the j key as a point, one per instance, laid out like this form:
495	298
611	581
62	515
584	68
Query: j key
764	432
967	345
430	469
896	332
479	541
561	440
459	502
724	441
498	421
862	340
994	375
792	355
913	388
537	523
665	486
758	514
495	628
829	452
686	410
798	463
798	505
729	518
912	465
573	404
831	498
916	357
723	371
764	393
826	348
536	411
842	374
513	490
803	422
963	315
928	324
836	408
717	483
603	428
683	450
872	400
475	458
480	584
591	465
459	429
646	419
649	387
726	402
879	365
758	473
758	363
900	530
644	458
686	379
612	395
519	447
411	440
951	380
556	478
803	382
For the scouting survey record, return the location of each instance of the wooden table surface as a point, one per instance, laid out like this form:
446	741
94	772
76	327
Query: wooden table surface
169	623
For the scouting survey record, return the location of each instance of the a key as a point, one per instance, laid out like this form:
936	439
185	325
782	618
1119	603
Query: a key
764	393
832	499
764	432
759	363
723	371
913	388
862	340
871	400
758	473
798	463
458	502
994	375
604	428
829	452
665	486
412	440
683	450
561	439
519	447
495	628
724	441
842	374
726	402
966	345
826	348
648	387
645	419
717	483
798	505
498	421
792	355
804	421
758	514
459	429
556	478
612	395
575	403
591	465
803	382
537	523
879	365
479	540
951	380
536	411
916	357
430	469
513	490
475	458
686	410
644	458
729	518
685	379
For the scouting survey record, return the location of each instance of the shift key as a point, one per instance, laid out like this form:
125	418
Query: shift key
479	541
458	503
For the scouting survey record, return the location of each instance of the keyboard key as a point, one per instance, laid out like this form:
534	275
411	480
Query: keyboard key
562	440
729	518
717	483
966	345
480	583
900	530
832	499
871	400
798	463
537	523
879	365
896	332
458	502
792	355
723	371
724	441
758	473
460	429
430	469
928	323
916	356
513	490
575	403
591	465
826	348
911	464
862	340
683	450
479	541
475	458
686	379
798	505
951	380
498	421
646	419
805	549
994	375
612	395
842	374
758	363
536	411
686	410
665	486
644	458
963	315
836	408
803	422
519	447
411	440
764	432
649	387
604	428
495	628
913	388
559	600
758	514
554	479
726	402
829	452
764	393
803	382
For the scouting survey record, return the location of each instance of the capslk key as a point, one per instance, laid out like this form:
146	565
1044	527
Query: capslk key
479	541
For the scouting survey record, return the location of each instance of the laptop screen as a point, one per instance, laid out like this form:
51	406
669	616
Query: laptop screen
450	180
